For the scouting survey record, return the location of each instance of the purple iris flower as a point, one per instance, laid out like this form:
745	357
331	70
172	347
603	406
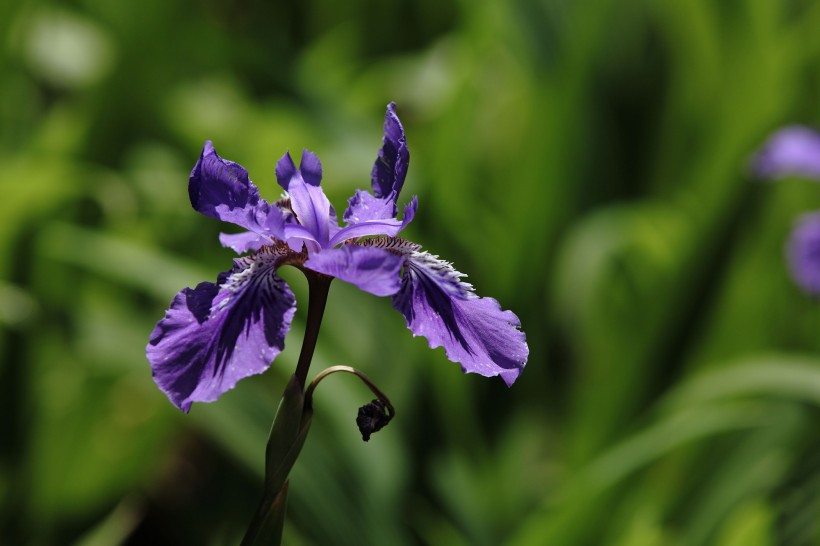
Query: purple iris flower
218	333
795	151
803	253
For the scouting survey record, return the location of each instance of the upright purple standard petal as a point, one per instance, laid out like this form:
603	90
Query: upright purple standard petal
803	253
790	151
371	269
388	174
221	189
473	331
216	334
390	167
307	199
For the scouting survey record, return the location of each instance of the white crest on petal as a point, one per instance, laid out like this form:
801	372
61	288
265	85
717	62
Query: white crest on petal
259	268
424	263
443	271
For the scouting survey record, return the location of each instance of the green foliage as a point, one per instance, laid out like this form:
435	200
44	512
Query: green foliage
586	162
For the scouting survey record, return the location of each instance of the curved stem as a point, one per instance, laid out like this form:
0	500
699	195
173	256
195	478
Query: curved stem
348	369
318	287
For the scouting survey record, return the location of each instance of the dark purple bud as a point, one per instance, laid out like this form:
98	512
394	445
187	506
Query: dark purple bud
372	418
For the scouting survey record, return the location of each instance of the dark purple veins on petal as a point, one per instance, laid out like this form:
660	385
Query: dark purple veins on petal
390	168
474	331
388	174
216	334
221	189
217	183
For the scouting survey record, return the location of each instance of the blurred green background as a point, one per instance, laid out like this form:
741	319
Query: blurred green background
585	161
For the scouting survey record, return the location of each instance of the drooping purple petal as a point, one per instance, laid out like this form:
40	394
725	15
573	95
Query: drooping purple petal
216	334
474	331
307	199
370	269
388	226
793	151
803	253
221	189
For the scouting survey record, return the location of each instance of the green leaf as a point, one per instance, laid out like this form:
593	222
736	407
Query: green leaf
287	436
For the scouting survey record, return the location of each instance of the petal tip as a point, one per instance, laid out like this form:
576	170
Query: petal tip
475	332
393	128
510	376
311	168
285	169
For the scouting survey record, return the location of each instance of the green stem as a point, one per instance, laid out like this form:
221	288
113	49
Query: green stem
290	427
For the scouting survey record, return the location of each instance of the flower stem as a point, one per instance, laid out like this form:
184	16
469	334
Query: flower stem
290	427
318	287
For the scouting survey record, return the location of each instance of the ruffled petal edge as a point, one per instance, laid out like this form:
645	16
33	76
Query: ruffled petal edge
216	334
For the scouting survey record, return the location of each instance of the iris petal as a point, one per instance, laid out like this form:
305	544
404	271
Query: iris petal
364	206
216	334
474	331
307	198
387	176
221	189
297	236
370	269
243	242
376	226
390	168
388	226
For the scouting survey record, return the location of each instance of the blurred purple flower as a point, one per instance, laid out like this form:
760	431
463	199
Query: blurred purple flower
803	252
216	334
795	151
